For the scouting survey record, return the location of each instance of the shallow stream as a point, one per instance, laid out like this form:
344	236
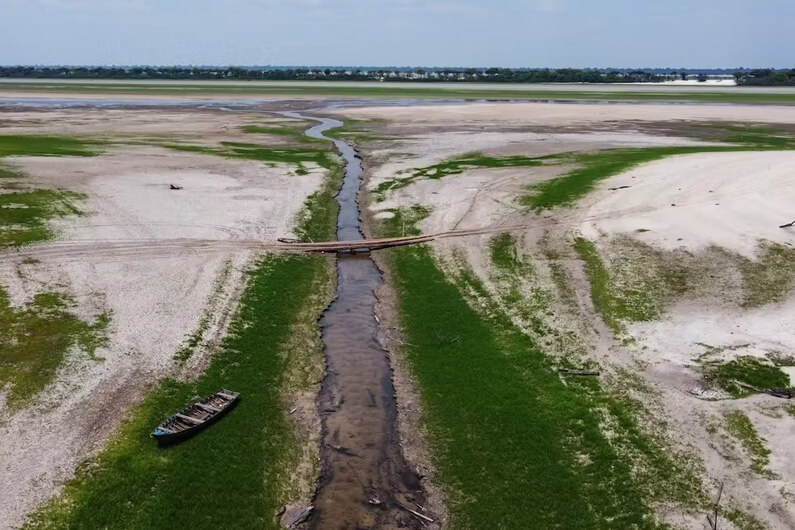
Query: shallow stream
365	479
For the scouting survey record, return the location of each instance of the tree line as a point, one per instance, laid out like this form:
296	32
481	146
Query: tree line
766	77
759	77
495	75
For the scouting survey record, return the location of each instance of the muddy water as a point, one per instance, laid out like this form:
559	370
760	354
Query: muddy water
365	479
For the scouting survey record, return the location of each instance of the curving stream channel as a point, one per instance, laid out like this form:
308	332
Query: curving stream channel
365	481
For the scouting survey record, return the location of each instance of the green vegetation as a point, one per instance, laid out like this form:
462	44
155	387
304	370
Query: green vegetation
748	370
318	219
406	90
739	425
514	447
771	277
136	484
743	520
35	339
591	167
404	221
505	256
594	167
456	166
635	282
6	173
30	145
321	156
196	338
521	296
560	276
602	293
24	215
252	454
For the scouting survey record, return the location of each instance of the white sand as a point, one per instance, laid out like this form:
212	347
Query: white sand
552	114
731	200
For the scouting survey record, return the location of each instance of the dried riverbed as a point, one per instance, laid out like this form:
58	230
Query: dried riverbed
365	482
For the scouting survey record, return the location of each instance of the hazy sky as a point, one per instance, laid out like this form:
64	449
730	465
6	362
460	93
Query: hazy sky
555	33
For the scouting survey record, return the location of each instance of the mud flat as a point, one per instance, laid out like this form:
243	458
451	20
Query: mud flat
156	301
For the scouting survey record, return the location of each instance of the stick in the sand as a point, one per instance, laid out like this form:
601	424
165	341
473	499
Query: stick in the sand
416	514
788	225
713	520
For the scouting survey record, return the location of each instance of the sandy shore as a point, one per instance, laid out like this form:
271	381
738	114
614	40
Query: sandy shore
731	200
484	115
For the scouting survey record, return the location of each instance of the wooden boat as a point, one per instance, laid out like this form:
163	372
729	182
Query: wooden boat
195	417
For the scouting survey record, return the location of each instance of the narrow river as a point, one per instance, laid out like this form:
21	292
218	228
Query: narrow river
365	479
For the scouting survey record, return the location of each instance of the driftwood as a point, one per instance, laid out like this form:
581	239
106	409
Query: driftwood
416	514
788	225
342	450
577	372
174	187
302	517
619	188
783	393
713	518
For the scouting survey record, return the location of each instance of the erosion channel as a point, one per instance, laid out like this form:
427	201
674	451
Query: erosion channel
365	481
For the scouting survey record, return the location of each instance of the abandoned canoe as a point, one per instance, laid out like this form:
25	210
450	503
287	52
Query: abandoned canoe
195	417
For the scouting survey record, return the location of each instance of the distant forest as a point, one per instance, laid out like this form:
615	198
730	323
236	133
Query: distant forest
760	77
766	77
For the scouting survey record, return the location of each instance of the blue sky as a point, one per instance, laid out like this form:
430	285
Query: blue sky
555	33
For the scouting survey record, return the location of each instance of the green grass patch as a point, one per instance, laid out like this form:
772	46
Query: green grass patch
24	215
514	447
7	173
505	256
35	339
31	145
318	220
636	283
602	294
251	455
739	425
594	167
196	338
321	156
771	277
748	370
404	221
456	166
743	520
136	484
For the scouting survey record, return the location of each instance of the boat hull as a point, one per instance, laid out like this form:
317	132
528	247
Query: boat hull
164	437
